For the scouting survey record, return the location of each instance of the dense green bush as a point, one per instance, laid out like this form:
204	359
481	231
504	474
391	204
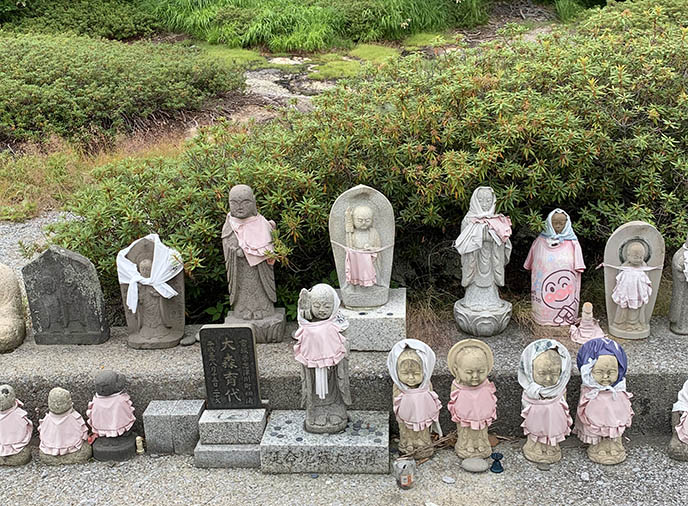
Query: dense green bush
595	122
84	89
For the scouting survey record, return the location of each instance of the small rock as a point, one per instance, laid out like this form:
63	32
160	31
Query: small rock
448	479
585	476
544	467
430	504
328	482
44	474
475	465
314	475
600	482
636	469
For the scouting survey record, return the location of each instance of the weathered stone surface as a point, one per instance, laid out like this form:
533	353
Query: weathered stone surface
115	449
475	465
227	456
81	456
344	232
172	426
678	314
267	330
185	417
65	299
362	448
232	426
12	328
678	450
379	328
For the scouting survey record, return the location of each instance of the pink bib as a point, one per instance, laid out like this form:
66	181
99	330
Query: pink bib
110	415
474	407
602	416
546	421
586	330
62	434
682	428
15	430
500	224
254	235
633	288
417	408
319	344
359	267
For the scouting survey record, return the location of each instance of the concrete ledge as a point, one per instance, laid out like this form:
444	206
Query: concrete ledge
658	367
227	456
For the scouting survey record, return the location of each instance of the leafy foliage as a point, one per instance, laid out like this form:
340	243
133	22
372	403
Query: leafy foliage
594	120
86	89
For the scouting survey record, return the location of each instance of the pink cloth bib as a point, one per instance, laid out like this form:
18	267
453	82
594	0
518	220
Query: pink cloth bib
254	235
418	408
546	421
585	330
500	224
359	267
15	430
319	344
602	416
62	434
633	288
682	428
474	407
110	415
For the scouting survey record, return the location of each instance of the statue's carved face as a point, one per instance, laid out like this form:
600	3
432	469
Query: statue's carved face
486	199
410	368
59	401
145	267
322	303
472	367
7	397
242	203
363	217
606	370
109	383
547	368
636	254
559	222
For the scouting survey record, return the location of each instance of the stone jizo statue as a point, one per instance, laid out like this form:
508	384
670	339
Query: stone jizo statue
604	410
322	351
587	327
678	446
472	403
678	314
485	249
15	429
416	406
12	328
63	432
544	372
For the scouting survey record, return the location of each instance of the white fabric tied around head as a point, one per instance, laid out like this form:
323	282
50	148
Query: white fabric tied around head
589	381
685	261
567	234
682	403
166	265
525	369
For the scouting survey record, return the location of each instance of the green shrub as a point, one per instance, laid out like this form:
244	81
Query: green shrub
597	125
84	89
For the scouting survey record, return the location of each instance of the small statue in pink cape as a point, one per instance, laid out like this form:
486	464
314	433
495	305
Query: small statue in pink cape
63	432
15	429
678	446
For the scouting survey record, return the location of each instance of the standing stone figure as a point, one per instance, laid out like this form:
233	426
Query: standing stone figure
485	249
678	446
587	327
678	314
15	429
12	328
472	402
556	263
151	280
63	432
416	406
323	354
544	372
246	242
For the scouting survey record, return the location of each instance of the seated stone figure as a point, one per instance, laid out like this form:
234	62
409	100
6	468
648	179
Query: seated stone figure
678	446
15	429
63	432
363	242
323	354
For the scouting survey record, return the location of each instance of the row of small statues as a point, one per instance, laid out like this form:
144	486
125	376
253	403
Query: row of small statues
63	432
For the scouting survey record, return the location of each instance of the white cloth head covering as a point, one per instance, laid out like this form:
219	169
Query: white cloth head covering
567	234
167	263
682	403
427	357
589	381
525	369
471	237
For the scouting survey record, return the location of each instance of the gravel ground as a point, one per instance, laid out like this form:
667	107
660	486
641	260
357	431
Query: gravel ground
647	477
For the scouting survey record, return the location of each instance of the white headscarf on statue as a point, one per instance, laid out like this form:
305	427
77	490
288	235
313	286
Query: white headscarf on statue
471	237
525	369
167	264
567	234
682	403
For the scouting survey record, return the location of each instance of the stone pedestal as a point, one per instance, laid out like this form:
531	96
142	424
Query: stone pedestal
267	330
117	449
172	426
482	323
362	448
230	438
378	328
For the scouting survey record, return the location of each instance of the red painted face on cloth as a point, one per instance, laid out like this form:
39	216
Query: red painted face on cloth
559	289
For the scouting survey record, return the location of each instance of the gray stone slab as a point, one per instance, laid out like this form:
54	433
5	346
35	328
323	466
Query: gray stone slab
362	448
184	421
227	456
157	427
172	426
380	328
232	426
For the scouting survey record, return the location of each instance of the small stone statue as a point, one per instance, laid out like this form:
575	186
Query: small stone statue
151	279
544	372
15	430
633	260
587	328
416	406
12	328
678	314
556	263
111	416
485	249
604	410
322	351
63	432
247	242
678	446
472	403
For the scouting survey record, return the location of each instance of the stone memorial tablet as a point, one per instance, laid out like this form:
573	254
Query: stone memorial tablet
230	366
